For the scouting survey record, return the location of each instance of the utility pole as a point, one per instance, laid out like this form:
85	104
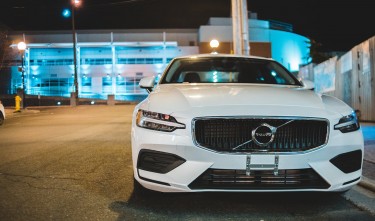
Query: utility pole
22	47
240	24
75	3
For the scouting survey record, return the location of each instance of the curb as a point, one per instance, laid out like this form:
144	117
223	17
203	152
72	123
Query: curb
10	113
367	184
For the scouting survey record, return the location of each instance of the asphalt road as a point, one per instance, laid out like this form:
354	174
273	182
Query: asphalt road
75	164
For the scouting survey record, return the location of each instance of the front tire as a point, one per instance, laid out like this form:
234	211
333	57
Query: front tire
140	190
1	119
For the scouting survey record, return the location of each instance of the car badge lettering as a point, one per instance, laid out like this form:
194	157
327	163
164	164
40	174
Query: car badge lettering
263	135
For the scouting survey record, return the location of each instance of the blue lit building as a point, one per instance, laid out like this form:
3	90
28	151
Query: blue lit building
113	61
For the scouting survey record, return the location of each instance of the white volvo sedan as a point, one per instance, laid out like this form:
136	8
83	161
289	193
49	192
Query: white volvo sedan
239	123
2	113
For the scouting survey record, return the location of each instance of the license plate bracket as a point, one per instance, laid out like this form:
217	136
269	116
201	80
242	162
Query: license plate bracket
251	167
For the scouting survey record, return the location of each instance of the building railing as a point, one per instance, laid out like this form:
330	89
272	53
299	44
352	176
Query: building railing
89	61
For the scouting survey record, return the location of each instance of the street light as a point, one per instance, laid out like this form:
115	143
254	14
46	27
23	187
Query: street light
22	47
66	13
214	45
75	4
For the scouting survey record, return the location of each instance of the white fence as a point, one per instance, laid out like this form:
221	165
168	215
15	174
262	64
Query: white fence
349	78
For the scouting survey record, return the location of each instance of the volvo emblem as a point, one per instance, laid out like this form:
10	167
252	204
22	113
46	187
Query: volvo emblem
263	135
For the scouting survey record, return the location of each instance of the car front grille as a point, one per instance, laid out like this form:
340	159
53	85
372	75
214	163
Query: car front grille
235	134
259	180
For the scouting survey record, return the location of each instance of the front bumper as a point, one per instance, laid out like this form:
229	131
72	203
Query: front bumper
317	164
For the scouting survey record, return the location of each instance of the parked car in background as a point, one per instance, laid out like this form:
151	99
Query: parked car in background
2	113
240	123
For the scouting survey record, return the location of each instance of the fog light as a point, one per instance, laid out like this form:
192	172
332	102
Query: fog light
348	162
158	162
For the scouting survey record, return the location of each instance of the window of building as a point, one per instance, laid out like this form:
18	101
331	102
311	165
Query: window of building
96	61
51	62
107	81
140	61
86	81
120	81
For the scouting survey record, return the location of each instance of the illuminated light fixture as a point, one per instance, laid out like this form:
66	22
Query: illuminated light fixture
92	102
66	13
59	103
273	73
21	46
214	45
76	3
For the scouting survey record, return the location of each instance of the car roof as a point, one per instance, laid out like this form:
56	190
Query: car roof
212	55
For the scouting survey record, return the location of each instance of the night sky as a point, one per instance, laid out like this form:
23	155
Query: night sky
337	24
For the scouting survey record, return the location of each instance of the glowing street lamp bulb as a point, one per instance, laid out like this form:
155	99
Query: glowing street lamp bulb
214	43
66	13
21	46
77	3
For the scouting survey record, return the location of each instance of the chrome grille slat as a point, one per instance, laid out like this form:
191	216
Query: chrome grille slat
224	134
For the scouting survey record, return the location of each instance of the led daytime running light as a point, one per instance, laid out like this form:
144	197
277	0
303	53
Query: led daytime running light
157	121
348	123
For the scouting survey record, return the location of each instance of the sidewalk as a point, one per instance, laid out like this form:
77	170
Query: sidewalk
368	173
9	113
368	180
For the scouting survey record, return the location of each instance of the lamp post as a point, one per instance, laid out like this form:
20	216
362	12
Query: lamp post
22	47
214	45
75	4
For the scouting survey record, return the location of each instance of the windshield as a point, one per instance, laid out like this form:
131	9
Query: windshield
228	70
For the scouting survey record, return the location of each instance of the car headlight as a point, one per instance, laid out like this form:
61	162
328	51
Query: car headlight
348	123
157	121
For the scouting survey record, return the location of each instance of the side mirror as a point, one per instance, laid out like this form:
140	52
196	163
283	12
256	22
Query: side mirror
308	85
147	83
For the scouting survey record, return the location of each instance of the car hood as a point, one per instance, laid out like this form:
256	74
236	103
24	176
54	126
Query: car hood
215	99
